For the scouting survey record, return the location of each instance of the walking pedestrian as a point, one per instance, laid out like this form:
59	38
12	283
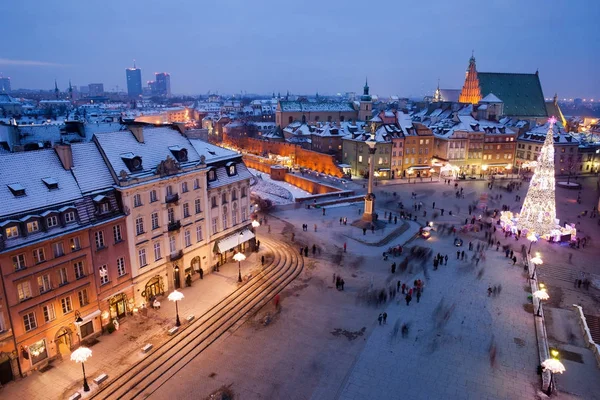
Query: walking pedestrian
262	260
380	318
418	295
446	259
457	254
384	318
408	298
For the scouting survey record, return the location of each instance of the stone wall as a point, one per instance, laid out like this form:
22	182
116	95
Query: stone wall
320	162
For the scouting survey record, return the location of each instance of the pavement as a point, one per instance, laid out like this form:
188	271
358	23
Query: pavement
120	350
326	344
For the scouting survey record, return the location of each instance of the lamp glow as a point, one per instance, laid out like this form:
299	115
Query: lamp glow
80	356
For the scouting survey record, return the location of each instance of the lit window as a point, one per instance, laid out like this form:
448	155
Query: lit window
75	243
103	271
19	261
11	232
33	226
24	290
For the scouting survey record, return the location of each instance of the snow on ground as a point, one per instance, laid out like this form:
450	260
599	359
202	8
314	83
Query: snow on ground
277	191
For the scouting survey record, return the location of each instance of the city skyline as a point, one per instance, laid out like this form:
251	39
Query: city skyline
276	47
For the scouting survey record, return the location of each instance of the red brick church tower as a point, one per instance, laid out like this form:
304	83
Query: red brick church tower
471	93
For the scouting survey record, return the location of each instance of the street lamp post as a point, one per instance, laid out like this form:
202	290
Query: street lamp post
555	367
536	261
540	295
176	296
532	238
80	356
239	257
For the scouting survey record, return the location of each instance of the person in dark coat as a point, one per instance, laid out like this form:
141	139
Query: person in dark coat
408	298
384	318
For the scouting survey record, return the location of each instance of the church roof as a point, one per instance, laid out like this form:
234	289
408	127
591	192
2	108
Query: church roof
521	93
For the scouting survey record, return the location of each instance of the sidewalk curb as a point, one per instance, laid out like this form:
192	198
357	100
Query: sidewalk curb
540	327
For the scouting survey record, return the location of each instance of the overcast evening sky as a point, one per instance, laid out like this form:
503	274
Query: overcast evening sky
303	46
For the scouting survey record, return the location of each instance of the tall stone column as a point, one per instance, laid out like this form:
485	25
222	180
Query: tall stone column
370	197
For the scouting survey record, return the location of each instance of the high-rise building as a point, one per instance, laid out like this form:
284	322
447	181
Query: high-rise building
4	85
96	89
134	81
162	84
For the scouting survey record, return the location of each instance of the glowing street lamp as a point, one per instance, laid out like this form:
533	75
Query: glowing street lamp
239	257
532	238
540	295
176	296
555	367
80	356
255	224
536	261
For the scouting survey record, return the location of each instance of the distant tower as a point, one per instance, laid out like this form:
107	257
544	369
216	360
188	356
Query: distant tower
471	92
70	90
134	81
56	91
163	84
437	96
366	104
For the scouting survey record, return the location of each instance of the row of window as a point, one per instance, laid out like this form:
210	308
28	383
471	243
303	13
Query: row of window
39	254
34	224
157	247
30	320
153	194
155	221
24	290
213	199
497	156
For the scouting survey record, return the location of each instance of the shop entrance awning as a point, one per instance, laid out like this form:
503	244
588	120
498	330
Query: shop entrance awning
230	242
420	167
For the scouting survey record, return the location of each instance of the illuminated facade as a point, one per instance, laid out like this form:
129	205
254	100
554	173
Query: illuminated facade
471	93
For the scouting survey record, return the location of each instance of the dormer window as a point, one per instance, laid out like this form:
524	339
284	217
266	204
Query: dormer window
180	153
17	189
212	175
33	226
52	221
102	204
11	232
51	183
69	217
231	170
133	162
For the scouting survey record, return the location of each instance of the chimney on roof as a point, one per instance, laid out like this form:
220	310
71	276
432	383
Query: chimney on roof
138	132
65	155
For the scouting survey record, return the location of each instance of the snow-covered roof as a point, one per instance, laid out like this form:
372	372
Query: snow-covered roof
538	135
210	151
27	169
153	150
89	168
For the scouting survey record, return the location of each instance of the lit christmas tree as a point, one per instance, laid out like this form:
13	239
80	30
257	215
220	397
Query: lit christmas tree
538	214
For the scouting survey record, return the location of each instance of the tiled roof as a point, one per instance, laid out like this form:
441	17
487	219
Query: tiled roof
312	106
521	93
89	168
28	169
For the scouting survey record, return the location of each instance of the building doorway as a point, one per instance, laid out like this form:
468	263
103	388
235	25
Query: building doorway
154	287
6	373
118	306
63	341
176	277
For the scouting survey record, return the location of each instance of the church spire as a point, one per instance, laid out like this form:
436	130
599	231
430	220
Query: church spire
56	91
70	90
471	92
366	88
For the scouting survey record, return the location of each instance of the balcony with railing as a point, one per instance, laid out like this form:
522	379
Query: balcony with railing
175	256
172	198
174	226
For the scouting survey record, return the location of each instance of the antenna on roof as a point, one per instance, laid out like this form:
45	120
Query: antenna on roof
134	63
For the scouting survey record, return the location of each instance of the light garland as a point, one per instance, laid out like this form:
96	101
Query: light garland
538	214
